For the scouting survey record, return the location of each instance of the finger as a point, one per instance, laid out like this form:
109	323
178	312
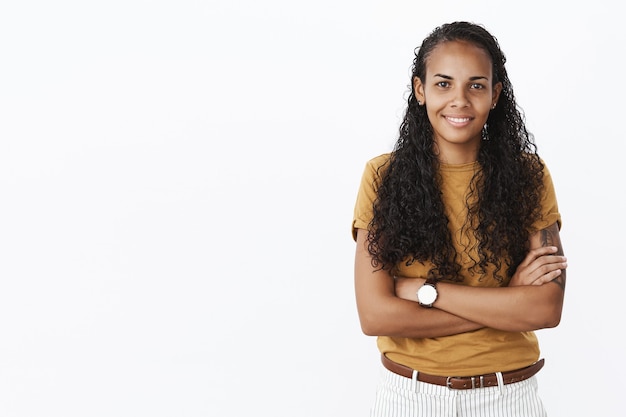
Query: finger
546	259
550	259
542	267
550	276
546	264
542	251
537	253
547	272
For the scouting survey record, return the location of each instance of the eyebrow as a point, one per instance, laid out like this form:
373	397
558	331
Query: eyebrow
474	78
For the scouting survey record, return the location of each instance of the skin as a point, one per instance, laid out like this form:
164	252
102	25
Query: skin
459	93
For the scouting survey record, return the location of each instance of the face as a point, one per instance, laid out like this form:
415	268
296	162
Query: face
458	95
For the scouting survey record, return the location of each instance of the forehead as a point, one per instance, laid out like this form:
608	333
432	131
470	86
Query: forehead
458	58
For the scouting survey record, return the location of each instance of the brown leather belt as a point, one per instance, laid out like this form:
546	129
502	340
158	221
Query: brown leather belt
465	382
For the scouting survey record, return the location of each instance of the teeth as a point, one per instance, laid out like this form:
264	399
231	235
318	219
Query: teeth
459	119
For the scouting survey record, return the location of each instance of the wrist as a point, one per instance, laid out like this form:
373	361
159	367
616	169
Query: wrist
405	288
427	294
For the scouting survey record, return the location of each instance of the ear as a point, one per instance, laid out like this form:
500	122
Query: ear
497	89
418	90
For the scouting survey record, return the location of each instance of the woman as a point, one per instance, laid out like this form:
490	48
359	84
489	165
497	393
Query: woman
458	256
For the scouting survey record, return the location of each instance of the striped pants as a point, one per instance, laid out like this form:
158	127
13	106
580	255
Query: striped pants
398	396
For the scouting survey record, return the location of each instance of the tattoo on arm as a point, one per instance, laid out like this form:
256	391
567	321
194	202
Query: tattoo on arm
550	237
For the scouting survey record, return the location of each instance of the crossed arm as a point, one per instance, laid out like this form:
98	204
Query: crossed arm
387	306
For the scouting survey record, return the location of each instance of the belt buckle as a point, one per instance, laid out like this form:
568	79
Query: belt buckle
481	382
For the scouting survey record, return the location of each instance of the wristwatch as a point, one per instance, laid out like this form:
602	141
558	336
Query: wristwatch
427	293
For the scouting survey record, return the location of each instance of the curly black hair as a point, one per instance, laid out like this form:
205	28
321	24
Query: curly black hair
409	223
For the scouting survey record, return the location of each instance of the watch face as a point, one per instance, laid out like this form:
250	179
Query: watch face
427	294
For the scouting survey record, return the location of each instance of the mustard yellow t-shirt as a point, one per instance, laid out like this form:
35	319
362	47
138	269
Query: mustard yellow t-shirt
472	353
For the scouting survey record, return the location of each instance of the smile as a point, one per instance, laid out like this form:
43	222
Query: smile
458	119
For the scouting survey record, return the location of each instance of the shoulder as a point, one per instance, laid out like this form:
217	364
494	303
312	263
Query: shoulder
538	164
376	165
547	176
363	209
549	205
372	175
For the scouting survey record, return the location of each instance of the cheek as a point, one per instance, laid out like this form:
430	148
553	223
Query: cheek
432	114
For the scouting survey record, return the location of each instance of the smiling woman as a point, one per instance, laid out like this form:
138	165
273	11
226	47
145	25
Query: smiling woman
460	93
458	256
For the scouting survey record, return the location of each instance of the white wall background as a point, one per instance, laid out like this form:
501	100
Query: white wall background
177	181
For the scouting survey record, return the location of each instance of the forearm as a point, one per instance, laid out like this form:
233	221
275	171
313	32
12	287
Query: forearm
532	300
401	318
519	308
522	308
383	313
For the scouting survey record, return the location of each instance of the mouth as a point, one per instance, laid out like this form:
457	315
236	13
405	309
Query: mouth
458	121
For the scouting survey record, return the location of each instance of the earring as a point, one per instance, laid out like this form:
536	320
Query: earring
494	106
419	103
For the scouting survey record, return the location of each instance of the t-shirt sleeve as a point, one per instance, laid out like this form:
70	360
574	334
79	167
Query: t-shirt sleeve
364	207
549	206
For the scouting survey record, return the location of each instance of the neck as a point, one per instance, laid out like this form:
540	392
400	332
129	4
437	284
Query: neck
457	155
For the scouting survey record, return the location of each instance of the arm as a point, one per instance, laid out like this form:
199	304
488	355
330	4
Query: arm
533	300
382	313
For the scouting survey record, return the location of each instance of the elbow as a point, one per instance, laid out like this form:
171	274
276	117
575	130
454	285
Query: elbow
370	324
553	320
553	313
550	319
544	317
368	327
546	313
368	331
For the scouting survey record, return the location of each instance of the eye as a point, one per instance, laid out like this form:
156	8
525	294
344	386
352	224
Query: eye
477	86
443	84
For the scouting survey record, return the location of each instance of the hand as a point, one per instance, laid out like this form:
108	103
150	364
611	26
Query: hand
540	266
406	288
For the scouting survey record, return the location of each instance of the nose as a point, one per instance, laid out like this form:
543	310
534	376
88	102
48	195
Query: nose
460	98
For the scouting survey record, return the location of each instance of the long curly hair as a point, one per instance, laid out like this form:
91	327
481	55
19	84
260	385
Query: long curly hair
409	223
